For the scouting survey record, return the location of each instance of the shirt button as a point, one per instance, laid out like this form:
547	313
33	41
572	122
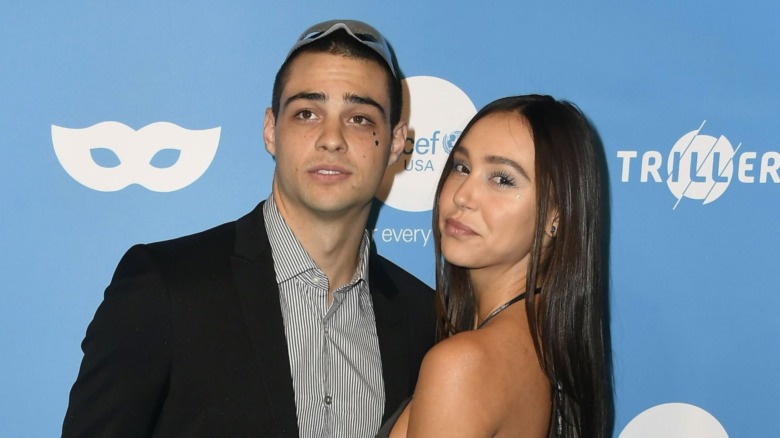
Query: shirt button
315	280
328	400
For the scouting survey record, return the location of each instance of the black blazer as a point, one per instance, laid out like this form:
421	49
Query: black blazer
189	340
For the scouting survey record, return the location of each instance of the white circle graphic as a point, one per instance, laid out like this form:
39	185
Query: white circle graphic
436	111
674	420
700	167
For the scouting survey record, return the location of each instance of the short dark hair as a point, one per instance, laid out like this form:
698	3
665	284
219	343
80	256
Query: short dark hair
569	320
341	43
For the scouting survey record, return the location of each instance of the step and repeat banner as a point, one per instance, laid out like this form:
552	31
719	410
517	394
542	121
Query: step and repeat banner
128	122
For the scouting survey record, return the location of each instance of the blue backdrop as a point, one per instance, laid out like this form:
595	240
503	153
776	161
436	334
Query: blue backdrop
684	98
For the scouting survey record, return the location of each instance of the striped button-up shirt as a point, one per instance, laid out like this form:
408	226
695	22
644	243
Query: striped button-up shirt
334	350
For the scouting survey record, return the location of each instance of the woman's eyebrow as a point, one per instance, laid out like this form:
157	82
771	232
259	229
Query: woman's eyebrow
497	159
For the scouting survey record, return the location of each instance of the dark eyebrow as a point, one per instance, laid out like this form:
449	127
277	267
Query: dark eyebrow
319	97
495	159
363	100
461	149
349	97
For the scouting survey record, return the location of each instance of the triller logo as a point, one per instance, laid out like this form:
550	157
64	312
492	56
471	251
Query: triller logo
701	167
436	110
135	152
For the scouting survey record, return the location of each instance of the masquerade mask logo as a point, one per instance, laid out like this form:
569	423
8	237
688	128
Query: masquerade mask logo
135	154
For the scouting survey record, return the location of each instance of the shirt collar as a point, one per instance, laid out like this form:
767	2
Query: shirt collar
289	256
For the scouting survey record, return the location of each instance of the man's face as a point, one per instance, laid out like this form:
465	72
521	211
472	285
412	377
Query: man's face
332	138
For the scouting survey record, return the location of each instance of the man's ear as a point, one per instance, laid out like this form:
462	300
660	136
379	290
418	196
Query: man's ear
397	142
269	132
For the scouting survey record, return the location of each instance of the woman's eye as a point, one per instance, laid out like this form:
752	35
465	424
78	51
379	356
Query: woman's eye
460	168
503	180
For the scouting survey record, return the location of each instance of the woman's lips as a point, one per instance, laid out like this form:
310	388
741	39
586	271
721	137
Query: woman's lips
456	228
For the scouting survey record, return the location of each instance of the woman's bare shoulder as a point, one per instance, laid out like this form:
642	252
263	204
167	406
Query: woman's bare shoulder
466	349
469	385
449	398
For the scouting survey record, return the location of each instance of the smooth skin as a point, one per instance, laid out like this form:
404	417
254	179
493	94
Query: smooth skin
332	142
486	382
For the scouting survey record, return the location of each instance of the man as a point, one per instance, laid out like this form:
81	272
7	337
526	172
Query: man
284	322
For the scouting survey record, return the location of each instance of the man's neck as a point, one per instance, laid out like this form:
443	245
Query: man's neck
332	242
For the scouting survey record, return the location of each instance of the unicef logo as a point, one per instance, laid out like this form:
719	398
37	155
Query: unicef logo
437	111
450	140
674	420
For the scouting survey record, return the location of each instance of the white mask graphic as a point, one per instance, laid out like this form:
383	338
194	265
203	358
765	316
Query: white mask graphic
135	151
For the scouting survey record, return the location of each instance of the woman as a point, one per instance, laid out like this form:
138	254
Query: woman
518	209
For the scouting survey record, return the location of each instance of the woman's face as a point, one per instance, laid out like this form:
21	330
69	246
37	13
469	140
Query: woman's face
487	206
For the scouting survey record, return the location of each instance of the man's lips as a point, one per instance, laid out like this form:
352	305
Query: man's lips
328	171
456	228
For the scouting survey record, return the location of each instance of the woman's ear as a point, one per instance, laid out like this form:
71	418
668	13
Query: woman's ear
551	228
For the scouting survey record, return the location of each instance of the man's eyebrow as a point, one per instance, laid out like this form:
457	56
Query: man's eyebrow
349	97
497	159
363	100
319	97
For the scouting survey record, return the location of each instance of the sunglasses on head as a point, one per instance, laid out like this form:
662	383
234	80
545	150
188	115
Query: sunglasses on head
358	30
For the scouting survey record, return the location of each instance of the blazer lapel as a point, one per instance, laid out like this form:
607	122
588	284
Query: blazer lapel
392	331
259	296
